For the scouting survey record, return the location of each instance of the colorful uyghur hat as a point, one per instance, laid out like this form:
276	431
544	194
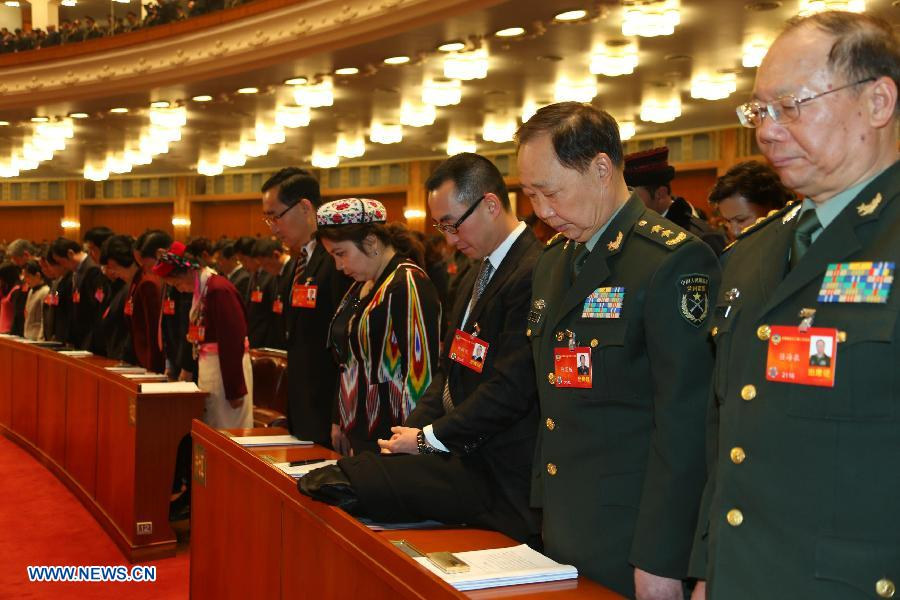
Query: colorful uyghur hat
172	259
649	168
351	211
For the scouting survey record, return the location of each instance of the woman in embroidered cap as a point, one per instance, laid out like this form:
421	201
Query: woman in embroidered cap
385	331
218	332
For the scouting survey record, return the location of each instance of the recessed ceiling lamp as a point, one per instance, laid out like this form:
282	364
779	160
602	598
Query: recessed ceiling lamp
159	104
452	47
351	145
510	32
78	115
713	87
269	134
315	95
4	123
324	159
8	169
613	61
12	3
248	90
254	148
575	91
754	51
346	71
169	118
292	116
571	15
416	114
39	119
466	65
296	81
442	92
498	128
210	168
457	145
232	157
661	107
96	172
68	3
811	7
651	19
386	133
626	130
119	110
202	98
396	60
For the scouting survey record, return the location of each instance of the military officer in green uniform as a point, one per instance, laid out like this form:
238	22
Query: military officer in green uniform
620	464
802	497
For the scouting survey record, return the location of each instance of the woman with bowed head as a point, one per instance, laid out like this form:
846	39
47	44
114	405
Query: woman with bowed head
385	331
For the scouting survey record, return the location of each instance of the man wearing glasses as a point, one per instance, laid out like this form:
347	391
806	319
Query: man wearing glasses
802	493
467	447
289	201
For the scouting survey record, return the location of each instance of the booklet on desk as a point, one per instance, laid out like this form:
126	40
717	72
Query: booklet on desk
300	468
122	369
168	387
76	353
269	440
498	567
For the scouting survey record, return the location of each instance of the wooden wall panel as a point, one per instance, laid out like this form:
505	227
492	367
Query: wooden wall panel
132	219
231	219
694	186
38	223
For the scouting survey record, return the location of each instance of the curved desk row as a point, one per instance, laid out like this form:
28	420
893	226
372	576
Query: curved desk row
113	446
253	535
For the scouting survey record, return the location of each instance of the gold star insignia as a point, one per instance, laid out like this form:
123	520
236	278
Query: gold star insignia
867	208
641	223
614	244
666	233
656	228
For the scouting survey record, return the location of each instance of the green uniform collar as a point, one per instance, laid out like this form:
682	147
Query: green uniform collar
596	237
829	210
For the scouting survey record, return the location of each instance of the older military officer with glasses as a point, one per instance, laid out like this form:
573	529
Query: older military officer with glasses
801	496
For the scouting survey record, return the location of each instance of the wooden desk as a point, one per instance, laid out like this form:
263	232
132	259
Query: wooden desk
111	445
253	535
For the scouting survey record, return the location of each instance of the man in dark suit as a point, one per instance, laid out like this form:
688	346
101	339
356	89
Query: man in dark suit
86	277
289	200
465	452
228	264
620	465
278	265
804	482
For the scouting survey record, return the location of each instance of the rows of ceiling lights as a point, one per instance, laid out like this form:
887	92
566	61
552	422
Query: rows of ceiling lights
460	63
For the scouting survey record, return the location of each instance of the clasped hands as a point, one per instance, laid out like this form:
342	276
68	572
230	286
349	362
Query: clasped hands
404	441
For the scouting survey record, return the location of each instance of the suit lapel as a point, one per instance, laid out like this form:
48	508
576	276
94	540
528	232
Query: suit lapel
773	257
315	261
498	280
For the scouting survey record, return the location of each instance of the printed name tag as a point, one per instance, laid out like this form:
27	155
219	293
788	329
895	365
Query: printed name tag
256	295
277	306
572	367
129	307
868	282
468	350
304	296
98	295
76	297
804	357
168	306
196	334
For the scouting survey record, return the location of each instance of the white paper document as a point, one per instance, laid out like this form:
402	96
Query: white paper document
270	440
515	565
76	353
169	387
145	376
126	369
298	471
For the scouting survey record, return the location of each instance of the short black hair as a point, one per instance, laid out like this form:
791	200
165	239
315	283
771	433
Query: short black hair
98	235
33	267
294	184
265	247
60	247
755	181
199	245
579	132
119	248
244	245
153	241
473	176
225	247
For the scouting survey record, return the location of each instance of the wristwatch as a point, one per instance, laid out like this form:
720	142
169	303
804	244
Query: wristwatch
423	445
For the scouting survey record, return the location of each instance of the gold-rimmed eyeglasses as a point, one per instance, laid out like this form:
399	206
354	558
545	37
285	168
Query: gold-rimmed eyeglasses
782	110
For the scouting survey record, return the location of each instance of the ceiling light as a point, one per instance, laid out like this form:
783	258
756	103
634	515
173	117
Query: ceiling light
254	148
626	130
12	3
153	145
322	159
396	60
232	157
351	145
138	157
457	145
466	65
71	223
386	133
68	3
718	87
811	7
248	90
651	19
296	81
181	222
575	91
452	47
315	95
169	118
615	61
415	114
8	169
117	164
292	116
159	104
442	92
754	51
78	115
4	123
209	168
202	98
571	15
270	135
119	110
95	173
510	32
347	71
661	108
39	119
529	108
414	213
498	128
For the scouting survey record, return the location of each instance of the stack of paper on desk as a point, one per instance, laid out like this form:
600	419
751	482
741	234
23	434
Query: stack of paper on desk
145	376
126	369
169	387
270	440
502	566
76	353
298	471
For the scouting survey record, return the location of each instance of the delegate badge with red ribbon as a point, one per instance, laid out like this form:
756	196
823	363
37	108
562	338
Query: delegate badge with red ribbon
572	367
807	357
303	296
468	350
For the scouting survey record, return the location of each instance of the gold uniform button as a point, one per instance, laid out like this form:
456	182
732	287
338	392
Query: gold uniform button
735	517
551	424
594	343
748	392
714	332
764	332
885	588
551	377
738	455
560	336
528	332
551	469
842	337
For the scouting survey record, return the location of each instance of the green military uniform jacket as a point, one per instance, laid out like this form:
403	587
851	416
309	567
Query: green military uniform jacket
803	496
619	467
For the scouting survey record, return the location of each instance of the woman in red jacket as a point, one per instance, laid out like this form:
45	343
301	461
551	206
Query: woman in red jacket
218	332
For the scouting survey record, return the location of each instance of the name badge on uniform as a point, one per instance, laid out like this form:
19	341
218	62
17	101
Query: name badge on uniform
99	295
168	306
468	350
572	367
129	307
76	296
604	303
304	296
256	295
277	306
806	357
196	334
857	282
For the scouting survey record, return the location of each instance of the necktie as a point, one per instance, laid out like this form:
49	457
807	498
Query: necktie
481	281
807	225
300	267
578	259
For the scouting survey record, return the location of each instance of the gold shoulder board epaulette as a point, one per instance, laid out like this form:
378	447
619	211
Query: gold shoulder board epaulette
787	213
555	240
663	232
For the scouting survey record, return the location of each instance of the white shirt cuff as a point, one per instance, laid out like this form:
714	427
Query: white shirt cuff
428	430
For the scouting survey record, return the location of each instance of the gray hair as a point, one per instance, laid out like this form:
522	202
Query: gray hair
19	247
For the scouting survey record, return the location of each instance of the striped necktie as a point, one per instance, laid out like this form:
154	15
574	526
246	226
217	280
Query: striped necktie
300	267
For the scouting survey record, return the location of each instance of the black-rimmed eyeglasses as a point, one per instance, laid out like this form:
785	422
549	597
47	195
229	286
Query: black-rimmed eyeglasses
272	219
454	229
785	109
